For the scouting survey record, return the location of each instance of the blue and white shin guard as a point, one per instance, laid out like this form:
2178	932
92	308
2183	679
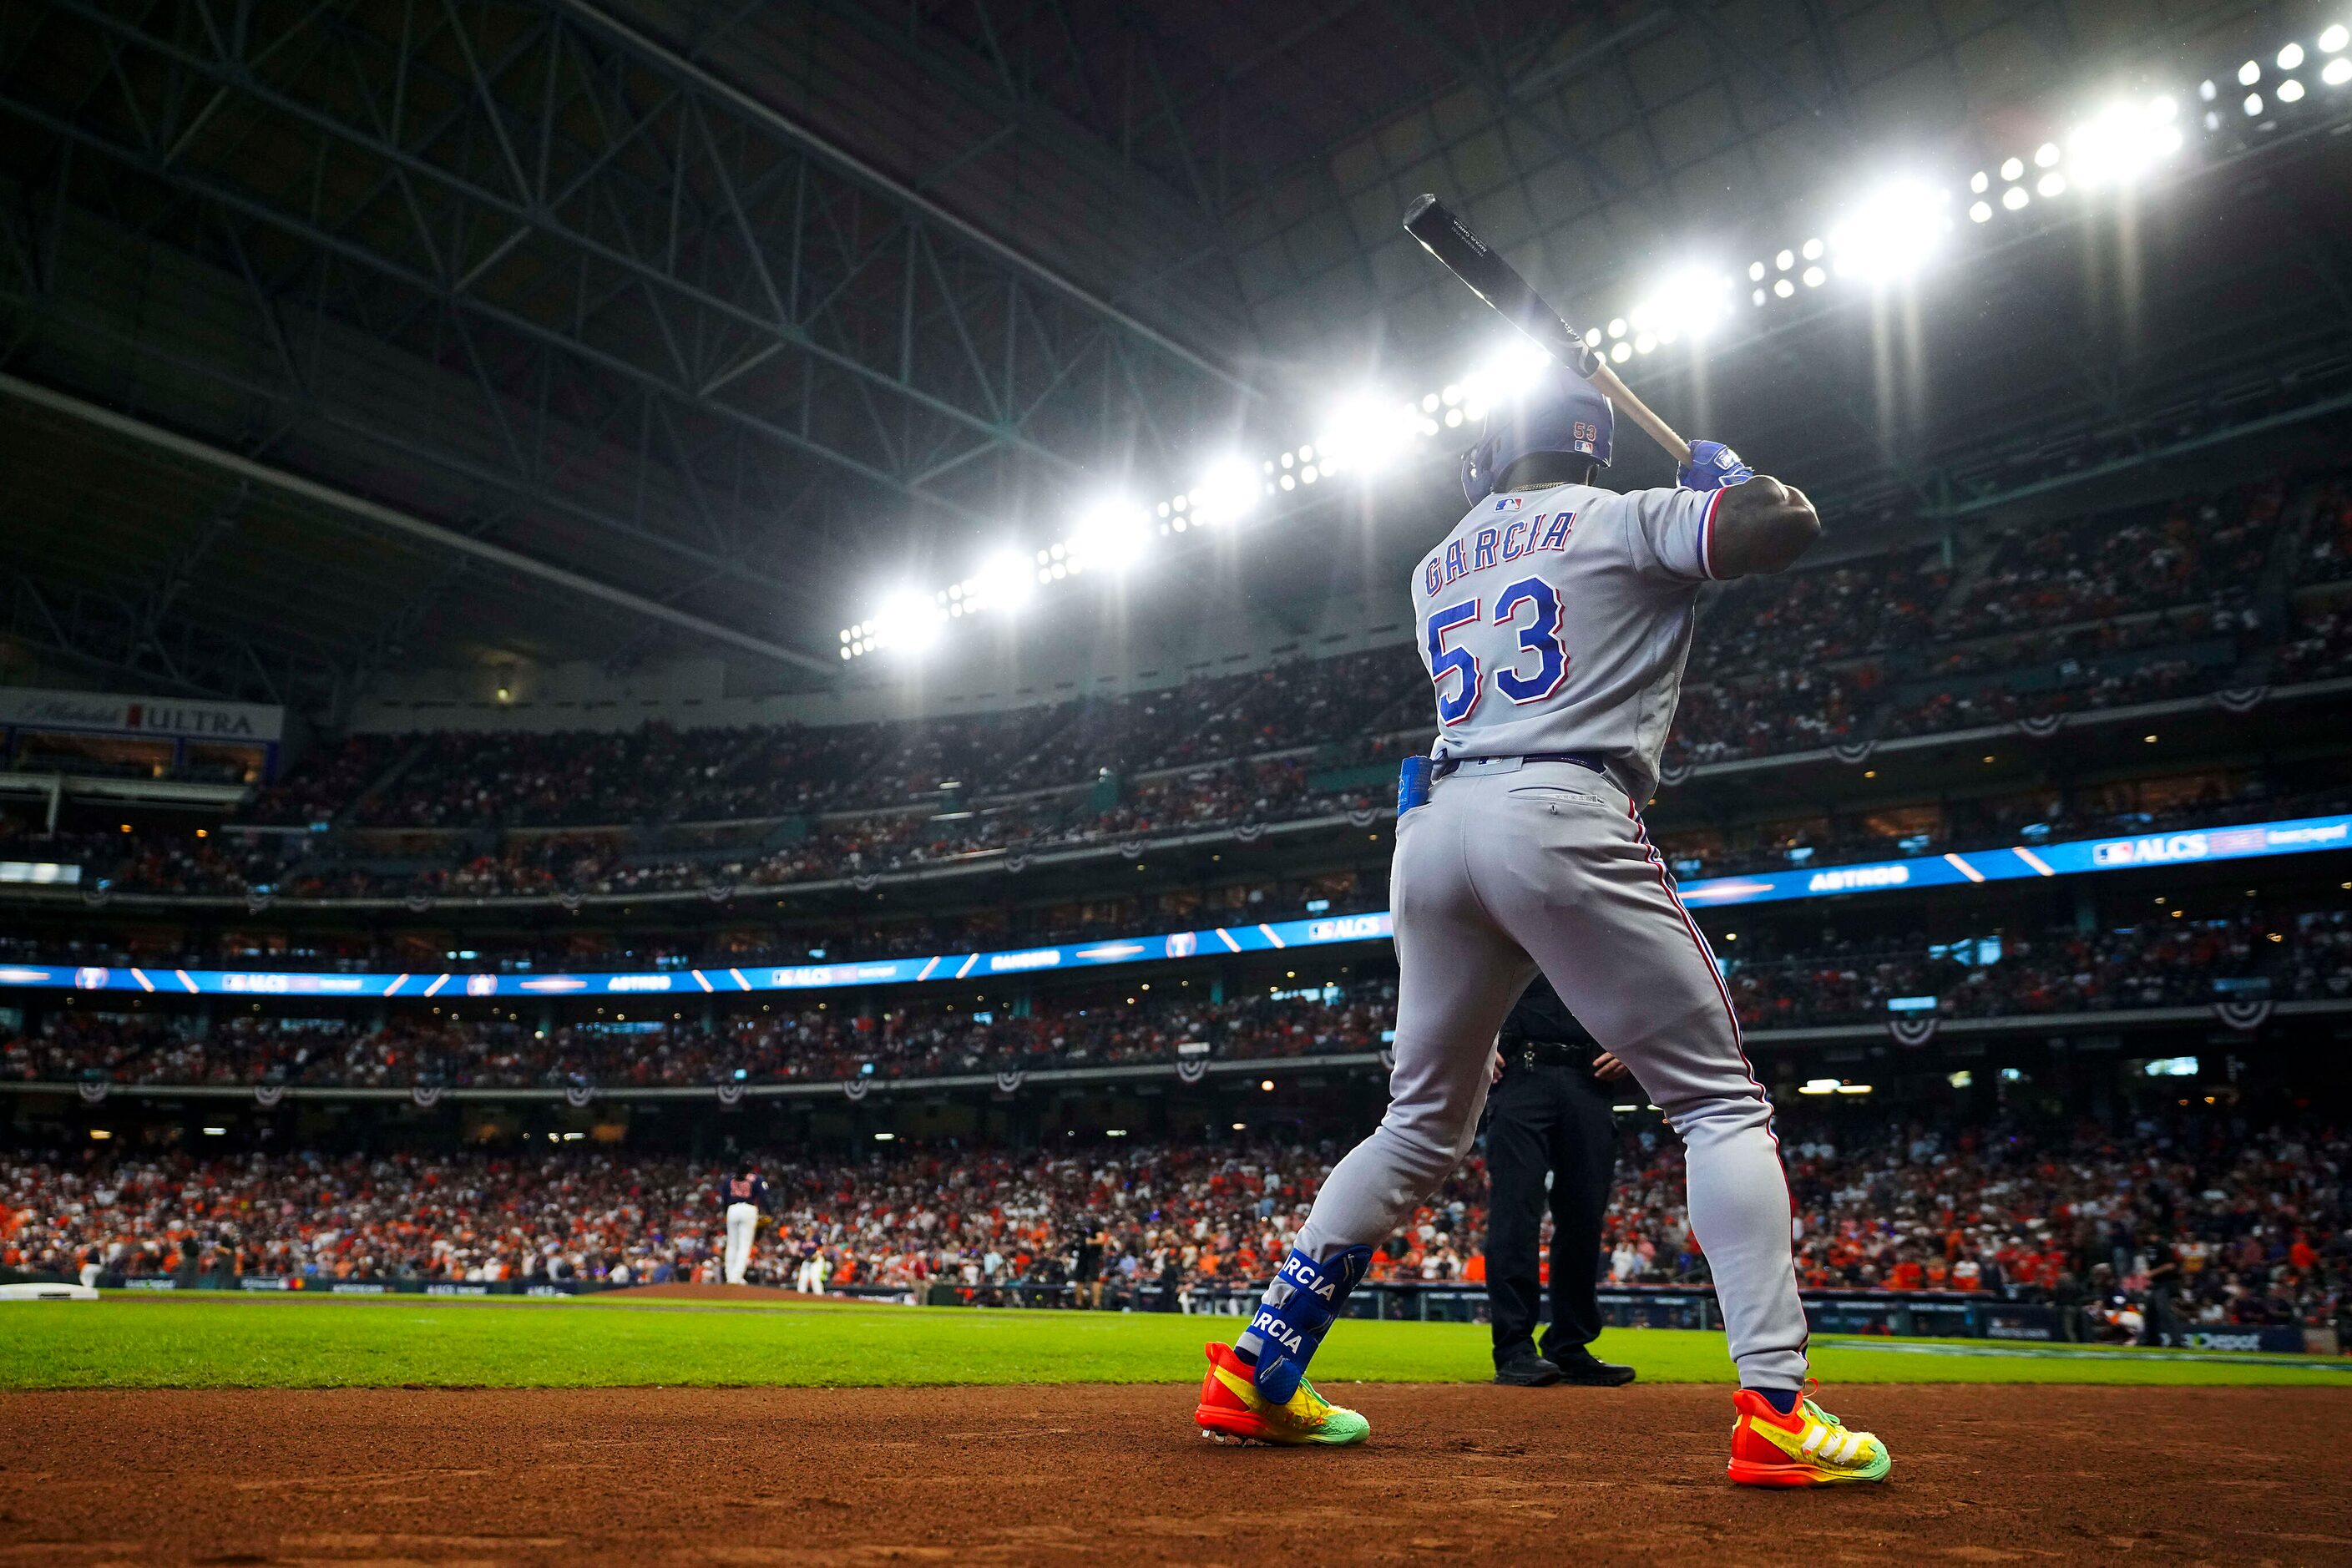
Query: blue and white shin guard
1295	1315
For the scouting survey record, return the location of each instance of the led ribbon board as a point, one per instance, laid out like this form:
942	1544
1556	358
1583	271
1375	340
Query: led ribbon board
2302	835
2187	847
689	983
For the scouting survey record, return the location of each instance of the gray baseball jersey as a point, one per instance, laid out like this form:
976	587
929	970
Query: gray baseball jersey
1559	620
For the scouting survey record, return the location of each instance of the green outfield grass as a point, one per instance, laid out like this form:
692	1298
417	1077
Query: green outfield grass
241	1342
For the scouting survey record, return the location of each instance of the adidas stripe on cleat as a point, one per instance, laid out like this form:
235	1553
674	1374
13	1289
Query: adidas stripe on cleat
1232	1410
1807	1447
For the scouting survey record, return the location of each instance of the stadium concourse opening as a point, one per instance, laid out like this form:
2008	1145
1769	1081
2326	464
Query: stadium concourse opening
714	725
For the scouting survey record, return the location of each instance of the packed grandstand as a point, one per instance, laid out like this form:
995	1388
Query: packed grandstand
2234	1224
2236	595
2152	965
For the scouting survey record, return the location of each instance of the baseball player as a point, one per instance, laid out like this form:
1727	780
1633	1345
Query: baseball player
741	1196
1555	620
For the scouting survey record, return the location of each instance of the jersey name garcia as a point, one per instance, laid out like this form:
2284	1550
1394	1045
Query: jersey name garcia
1559	620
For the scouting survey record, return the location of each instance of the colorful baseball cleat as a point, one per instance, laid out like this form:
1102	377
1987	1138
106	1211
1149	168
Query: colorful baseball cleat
1807	1447
1232	1410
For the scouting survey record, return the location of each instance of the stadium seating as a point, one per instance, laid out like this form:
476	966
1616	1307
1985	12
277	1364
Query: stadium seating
2153	964
2249	1224
2175	601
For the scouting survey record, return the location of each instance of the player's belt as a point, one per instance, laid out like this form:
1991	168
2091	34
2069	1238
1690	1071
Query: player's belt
1592	759
1553	1054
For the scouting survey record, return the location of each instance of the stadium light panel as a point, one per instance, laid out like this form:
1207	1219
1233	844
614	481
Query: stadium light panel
1503	376
1689	301
1228	493
1890	234
1005	581
1510	365
1112	536
908	621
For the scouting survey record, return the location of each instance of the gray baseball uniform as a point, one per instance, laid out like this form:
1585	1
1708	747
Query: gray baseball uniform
1557	621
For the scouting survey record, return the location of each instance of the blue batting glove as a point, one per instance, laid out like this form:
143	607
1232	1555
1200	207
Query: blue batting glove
1712	466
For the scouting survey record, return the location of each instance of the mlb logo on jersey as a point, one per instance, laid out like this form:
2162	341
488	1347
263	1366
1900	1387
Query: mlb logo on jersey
1507	503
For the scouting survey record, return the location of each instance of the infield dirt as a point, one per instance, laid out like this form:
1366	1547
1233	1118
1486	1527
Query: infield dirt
1115	1473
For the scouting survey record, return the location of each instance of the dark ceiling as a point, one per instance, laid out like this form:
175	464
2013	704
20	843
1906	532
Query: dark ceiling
370	334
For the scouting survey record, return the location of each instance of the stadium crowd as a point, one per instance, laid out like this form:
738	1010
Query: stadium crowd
582	944
2156	963
2201	1220
2229	592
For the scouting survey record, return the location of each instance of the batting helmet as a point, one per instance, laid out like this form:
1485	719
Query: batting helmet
1557	411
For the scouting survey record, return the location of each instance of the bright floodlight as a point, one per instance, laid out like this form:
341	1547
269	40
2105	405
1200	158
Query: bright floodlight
1502	377
2334	39
1688	302
2338	73
1228	491
1004	582
906	620
2122	142
1367	432
2290	57
1889	234
1111	537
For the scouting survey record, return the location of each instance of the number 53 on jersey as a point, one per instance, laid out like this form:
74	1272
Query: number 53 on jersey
1530	606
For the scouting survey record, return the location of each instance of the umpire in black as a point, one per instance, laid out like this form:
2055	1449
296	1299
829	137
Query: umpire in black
1549	1115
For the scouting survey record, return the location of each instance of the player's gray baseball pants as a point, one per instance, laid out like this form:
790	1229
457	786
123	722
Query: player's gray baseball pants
1513	866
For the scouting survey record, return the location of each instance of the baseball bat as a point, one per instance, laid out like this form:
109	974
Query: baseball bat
1494	280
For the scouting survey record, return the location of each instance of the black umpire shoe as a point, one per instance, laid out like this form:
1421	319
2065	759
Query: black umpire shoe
1582	1367
1528	1370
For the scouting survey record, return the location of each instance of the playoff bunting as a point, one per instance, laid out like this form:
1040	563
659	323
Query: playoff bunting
1914	1030
2245	1017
